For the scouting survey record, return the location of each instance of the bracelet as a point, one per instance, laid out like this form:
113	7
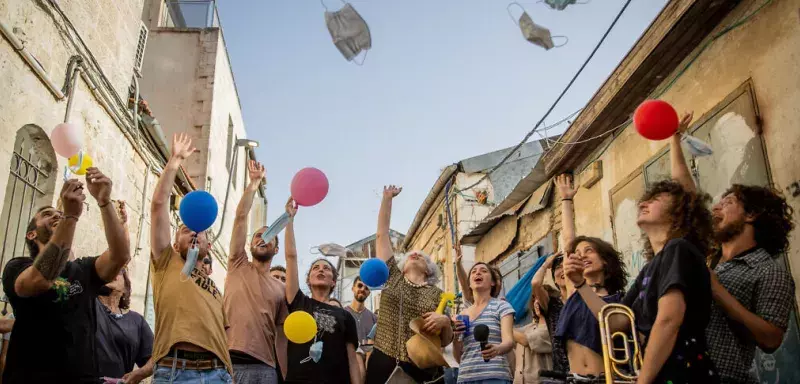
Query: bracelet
69	217
104	205
566	199
579	286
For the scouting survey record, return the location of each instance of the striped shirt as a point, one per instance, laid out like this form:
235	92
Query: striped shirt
472	367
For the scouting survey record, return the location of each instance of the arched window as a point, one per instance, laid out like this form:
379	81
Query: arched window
30	185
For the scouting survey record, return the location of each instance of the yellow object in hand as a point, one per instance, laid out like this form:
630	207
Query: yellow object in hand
84	159
446	297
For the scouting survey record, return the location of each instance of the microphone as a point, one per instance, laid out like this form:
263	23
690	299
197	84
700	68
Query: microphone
481	334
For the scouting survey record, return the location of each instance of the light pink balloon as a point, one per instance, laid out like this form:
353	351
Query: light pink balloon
309	187
66	139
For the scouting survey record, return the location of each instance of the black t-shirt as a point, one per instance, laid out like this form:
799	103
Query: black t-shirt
680	265
335	328
122	341
54	333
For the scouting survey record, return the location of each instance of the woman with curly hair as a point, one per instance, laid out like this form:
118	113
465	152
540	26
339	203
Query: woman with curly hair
673	284
750	289
603	275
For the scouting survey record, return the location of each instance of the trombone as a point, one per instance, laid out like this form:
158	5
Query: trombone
622	359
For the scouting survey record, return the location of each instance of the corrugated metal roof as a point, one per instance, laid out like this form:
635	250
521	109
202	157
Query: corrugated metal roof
481	229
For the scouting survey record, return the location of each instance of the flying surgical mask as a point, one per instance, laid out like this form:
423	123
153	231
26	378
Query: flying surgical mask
697	147
73	168
533	32
559	5
331	250
275	228
191	259
349	31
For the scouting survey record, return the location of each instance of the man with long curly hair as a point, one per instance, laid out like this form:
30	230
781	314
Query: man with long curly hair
752	294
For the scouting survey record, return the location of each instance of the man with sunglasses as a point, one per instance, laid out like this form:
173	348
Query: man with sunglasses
255	302
365	319
207	265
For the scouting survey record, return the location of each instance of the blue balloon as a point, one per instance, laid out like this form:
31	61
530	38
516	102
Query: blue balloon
198	210
374	273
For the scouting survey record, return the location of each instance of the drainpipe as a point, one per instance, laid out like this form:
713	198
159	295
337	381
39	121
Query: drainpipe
73	83
142	213
32	62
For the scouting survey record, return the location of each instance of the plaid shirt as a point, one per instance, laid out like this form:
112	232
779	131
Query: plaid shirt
764	288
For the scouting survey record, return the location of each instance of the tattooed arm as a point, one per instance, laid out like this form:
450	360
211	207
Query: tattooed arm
52	259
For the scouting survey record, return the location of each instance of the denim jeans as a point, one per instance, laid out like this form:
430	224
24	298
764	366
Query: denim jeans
255	374
165	375
450	375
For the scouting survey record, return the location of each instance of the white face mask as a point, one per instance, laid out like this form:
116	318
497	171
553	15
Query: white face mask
349	32
331	250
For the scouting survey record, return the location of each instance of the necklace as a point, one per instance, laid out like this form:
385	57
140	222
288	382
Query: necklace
413	284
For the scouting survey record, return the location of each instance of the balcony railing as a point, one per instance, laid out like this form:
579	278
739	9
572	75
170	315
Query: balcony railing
190	14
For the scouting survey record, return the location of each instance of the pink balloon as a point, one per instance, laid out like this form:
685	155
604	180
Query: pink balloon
66	139
309	187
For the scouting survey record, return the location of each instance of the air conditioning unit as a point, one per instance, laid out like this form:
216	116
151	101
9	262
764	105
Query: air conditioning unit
140	46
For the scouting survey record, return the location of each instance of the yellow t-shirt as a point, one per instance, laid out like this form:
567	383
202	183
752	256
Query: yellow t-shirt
187	311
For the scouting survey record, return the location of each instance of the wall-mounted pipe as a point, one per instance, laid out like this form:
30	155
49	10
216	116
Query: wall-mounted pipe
30	60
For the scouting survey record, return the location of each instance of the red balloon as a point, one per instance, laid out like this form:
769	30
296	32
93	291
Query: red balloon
655	120
309	187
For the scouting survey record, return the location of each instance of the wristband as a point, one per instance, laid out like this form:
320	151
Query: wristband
69	217
104	205
579	286
566	199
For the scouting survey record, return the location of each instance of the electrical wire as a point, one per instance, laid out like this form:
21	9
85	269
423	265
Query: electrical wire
558	99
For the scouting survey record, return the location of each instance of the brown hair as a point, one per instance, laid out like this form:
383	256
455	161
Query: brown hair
615	273
125	300
688	212
496	278
773	216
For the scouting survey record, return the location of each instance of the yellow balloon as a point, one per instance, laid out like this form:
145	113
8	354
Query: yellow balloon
300	327
85	163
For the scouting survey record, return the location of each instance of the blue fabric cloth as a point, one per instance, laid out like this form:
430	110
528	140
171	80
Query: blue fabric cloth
520	294
162	375
577	322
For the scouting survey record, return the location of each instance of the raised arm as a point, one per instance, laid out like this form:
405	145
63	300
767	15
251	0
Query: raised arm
680	171
109	263
159	210
463	277
53	257
537	282
382	240
567	191
290	252
573	271
239	237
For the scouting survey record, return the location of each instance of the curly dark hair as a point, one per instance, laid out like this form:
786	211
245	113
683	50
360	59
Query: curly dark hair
615	271
496	278
773	216
278	268
691	218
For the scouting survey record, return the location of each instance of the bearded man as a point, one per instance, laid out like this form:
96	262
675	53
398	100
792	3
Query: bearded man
365	319
255	302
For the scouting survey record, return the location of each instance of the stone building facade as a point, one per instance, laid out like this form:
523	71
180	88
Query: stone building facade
105	38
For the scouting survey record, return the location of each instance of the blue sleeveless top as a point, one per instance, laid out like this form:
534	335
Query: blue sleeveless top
577	323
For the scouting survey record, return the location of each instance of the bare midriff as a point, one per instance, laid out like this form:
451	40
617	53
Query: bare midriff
583	360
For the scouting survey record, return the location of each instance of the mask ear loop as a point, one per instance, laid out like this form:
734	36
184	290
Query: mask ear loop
363	58
191	260
307	359
566	40
326	7
314	250
508	8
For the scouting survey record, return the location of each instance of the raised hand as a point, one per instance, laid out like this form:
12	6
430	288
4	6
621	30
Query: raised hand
552	258
182	146
72	198
99	186
256	171
291	207
391	191
573	269
459	254
684	125
566	187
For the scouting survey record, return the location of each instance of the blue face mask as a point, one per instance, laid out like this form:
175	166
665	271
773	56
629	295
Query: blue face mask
191	259
275	228
314	353
697	147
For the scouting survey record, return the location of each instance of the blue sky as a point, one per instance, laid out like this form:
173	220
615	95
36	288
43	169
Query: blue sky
444	81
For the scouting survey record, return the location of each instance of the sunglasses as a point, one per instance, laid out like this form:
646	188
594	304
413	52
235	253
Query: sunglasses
207	261
362	285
